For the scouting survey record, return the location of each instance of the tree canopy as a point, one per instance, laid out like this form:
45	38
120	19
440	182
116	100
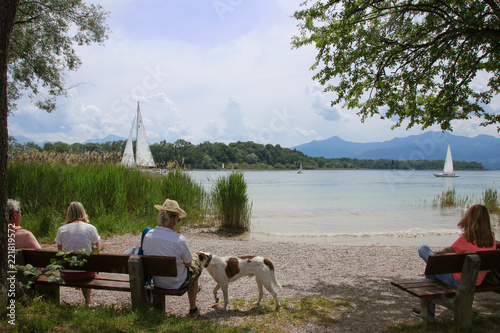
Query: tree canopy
42	46
425	61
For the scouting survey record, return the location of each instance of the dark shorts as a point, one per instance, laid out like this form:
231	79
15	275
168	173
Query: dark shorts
193	273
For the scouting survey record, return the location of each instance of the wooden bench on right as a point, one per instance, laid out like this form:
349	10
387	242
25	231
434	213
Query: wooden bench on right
459	299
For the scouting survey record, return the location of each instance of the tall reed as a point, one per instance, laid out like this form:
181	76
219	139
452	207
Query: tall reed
450	199
231	202
490	200
117	199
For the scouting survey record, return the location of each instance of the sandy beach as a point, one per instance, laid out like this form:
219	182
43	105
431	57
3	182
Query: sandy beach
361	274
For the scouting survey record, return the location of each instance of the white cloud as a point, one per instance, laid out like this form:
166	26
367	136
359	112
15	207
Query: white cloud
201	77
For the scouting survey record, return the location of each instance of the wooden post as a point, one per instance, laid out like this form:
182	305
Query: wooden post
462	307
427	309
136	276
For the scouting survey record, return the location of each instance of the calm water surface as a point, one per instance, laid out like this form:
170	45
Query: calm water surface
358	207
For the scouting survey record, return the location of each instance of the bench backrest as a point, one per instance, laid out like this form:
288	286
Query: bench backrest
444	263
104	262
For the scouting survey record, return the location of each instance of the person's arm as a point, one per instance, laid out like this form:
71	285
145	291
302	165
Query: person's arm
448	249
187	264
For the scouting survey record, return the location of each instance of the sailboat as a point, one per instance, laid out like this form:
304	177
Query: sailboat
448	166
300	169
143	157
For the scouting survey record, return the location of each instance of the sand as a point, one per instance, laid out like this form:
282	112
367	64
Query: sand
361	274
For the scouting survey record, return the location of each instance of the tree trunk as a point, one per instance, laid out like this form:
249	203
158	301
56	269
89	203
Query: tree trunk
8	10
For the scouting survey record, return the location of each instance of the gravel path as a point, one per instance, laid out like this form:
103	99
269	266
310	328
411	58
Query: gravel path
360	274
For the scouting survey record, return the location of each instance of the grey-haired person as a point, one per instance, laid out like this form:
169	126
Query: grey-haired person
23	238
164	241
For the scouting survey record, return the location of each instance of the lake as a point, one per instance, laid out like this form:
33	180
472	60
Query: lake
356	207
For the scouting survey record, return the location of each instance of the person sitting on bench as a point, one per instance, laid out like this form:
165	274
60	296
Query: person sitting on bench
77	234
164	241
23	239
476	236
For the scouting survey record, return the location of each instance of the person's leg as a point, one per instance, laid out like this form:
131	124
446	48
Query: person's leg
192	292
86	294
194	272
424	251
447	279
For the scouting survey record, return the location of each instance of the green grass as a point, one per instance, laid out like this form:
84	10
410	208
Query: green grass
43	316
296	313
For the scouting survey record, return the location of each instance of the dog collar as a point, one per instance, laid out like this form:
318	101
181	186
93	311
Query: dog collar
208	261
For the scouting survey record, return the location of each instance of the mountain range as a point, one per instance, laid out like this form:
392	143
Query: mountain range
484	149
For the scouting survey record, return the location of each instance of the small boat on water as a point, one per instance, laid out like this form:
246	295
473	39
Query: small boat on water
143	157
300	169
448	166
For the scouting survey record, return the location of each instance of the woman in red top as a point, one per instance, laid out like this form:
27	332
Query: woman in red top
476	236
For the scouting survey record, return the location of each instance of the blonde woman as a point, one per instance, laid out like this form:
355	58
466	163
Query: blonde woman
77	234
476	236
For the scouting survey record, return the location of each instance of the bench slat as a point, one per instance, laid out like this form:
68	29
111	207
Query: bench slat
158	265
96	283
430	288
172	292
427	288
444	263
110	263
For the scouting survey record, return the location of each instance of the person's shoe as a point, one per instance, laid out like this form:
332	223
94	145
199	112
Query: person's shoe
416	311
193	314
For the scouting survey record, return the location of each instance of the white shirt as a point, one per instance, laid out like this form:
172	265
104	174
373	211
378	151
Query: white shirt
76	236
162	241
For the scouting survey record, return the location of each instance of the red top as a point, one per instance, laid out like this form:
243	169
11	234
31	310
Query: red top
462	245
25	239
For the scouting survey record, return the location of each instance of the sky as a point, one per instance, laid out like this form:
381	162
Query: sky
204	70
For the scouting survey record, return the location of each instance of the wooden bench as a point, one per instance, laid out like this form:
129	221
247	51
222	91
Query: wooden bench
116	272
459	299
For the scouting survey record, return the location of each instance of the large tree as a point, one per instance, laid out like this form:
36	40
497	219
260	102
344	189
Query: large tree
424	61
7	15
37	40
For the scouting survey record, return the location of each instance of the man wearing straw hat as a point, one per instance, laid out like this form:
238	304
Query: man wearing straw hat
164	241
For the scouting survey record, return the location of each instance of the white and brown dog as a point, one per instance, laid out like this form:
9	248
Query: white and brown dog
228	269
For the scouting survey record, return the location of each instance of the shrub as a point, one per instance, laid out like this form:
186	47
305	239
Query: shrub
231	202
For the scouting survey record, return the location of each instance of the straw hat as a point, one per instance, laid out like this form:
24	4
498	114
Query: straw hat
171	206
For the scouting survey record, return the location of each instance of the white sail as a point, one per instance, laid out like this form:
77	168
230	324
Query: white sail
143	156
128	159
448	162
448	166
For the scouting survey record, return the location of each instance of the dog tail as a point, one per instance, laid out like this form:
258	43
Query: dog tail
270	265
274	281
